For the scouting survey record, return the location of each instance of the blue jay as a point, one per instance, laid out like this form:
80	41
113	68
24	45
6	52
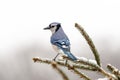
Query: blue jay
59	40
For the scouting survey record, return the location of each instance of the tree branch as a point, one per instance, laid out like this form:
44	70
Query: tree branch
90	42
89	63
64	76
78	66
61	64
114	70
82	75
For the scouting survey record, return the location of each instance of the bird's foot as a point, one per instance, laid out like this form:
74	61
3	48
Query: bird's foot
54	59
66	62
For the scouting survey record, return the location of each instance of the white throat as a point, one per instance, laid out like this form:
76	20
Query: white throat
53	30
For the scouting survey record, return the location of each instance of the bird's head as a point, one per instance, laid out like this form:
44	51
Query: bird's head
54	27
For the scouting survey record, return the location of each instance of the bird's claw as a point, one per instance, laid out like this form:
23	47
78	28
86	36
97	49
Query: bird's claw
66	62
54	59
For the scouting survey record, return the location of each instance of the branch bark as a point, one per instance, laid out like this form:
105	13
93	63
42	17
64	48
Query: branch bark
90	43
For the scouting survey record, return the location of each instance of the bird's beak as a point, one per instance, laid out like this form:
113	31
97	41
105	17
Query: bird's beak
47	28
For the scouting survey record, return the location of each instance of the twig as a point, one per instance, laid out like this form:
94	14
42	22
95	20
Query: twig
84	67
47	61
114	70
62	64
110	76
83	61
64	76
82	75
99	69
90	42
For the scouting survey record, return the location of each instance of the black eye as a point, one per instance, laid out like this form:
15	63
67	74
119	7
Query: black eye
52	26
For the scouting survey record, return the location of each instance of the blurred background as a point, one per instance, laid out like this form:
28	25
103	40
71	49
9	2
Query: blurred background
22	36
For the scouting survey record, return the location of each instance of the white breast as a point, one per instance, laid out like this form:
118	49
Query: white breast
57	49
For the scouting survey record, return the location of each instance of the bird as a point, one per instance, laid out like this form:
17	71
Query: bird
60	41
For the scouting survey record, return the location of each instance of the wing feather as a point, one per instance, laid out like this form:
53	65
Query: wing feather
63	44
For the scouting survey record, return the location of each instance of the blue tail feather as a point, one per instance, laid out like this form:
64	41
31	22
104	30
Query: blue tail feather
70	55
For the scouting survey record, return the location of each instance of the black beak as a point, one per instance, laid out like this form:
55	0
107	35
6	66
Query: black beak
47	28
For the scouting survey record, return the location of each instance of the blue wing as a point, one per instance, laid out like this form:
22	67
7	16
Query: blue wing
64	45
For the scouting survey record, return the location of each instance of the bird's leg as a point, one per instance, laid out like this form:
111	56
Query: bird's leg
56	57
66	62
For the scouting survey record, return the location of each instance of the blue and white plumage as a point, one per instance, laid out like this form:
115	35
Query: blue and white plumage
59	40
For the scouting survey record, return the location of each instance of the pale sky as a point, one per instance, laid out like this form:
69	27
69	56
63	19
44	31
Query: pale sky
22	21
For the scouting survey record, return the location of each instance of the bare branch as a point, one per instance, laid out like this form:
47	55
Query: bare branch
84	61
48	61
82	75
54	64
99	69
114	70
110	76
90	42
64	76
